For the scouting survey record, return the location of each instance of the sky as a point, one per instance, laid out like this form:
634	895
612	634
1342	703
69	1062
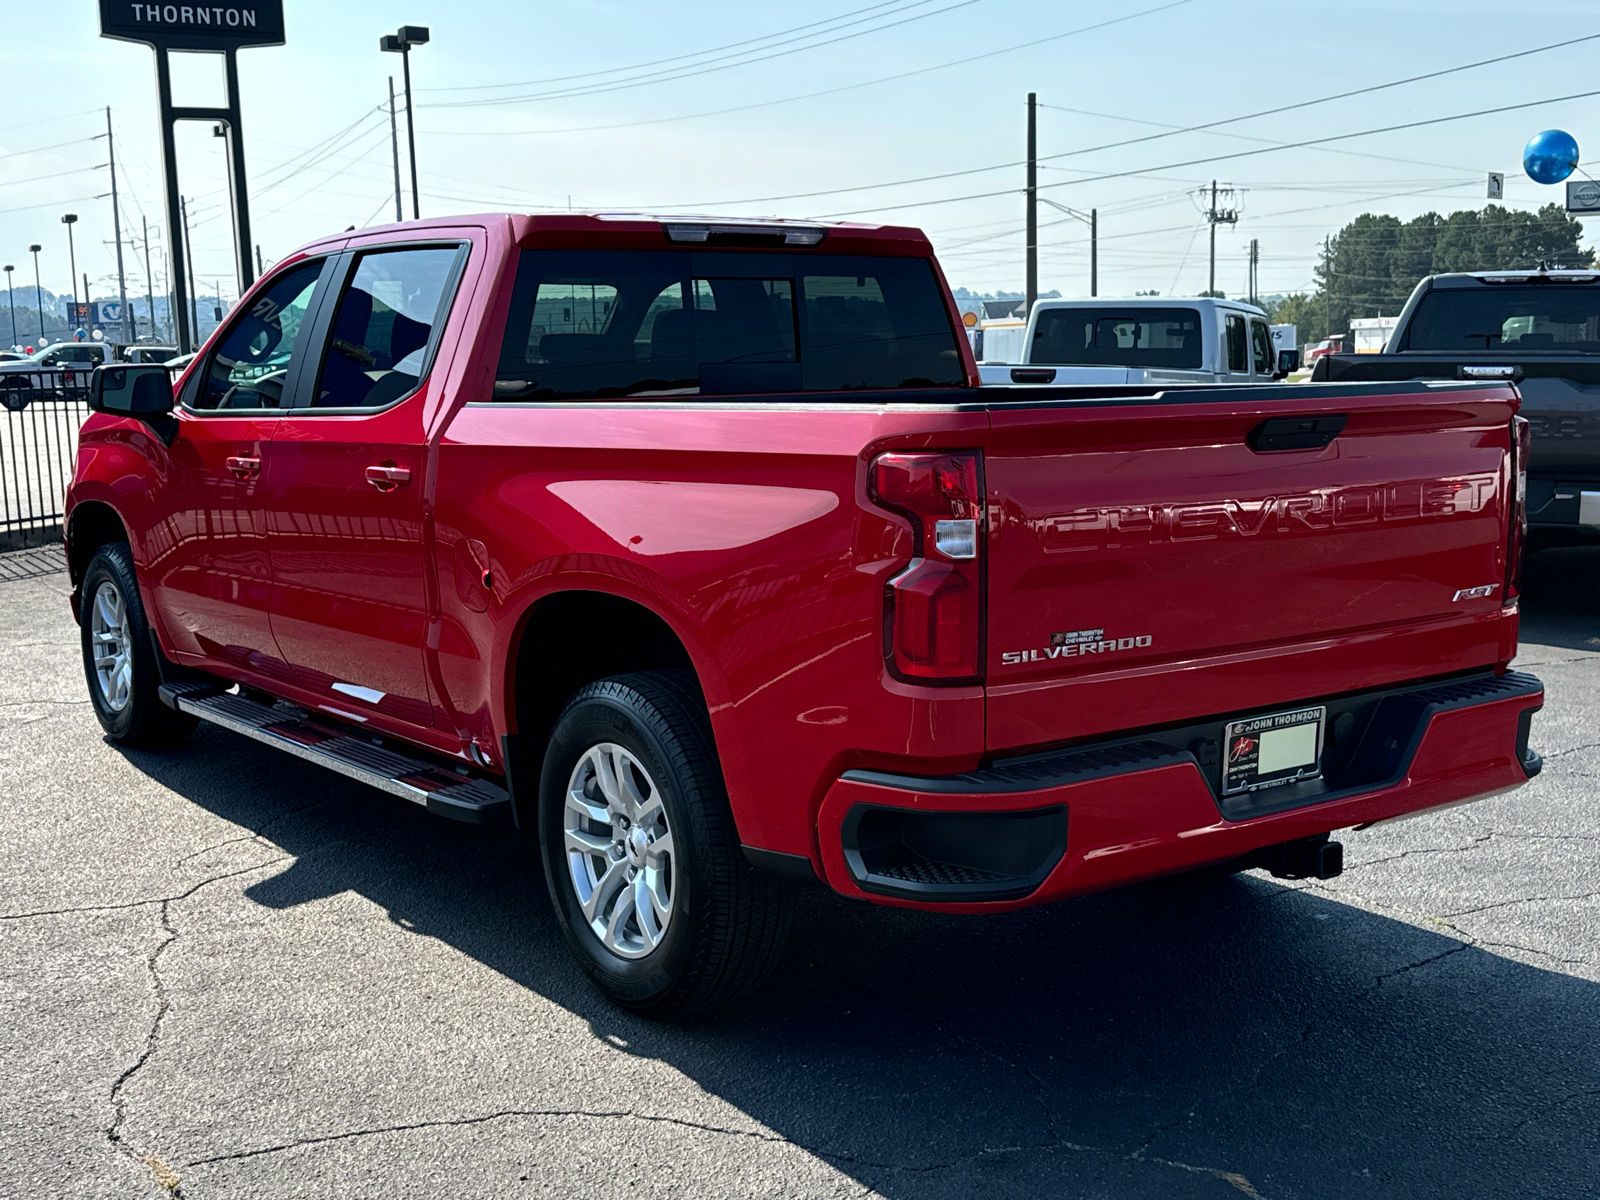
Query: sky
840	109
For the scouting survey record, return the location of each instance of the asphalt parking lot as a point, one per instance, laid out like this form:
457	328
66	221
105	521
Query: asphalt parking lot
230	974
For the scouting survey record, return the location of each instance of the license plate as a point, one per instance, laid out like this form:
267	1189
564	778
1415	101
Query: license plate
1270	751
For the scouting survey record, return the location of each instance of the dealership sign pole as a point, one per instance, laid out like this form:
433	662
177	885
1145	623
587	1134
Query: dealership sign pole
219	29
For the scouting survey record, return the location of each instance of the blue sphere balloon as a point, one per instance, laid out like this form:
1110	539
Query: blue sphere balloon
1551	156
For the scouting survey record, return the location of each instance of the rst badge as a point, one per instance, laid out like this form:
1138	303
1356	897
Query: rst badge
1075	644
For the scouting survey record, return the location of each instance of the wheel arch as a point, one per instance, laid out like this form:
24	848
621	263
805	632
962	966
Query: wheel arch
91	525
568	638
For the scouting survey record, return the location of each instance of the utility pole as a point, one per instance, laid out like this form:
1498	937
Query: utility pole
1218	216
394	149
149	283
260	270
188	253
116	231
1094	252
1033	204
1327	289
1255	265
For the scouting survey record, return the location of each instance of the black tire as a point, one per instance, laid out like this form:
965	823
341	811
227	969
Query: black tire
142	719
728	923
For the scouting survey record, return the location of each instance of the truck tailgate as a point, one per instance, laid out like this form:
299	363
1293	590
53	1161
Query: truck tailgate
1153	562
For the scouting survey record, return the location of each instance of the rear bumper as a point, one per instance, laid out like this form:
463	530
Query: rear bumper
1034	830
1565	504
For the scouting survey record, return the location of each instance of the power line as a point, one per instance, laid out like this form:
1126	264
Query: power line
1170	131
849	87
482	87
690	73
1192	162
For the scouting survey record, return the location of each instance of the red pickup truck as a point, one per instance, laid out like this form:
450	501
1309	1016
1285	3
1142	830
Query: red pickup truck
696	546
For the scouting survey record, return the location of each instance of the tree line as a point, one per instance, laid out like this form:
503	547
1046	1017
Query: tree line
1369	267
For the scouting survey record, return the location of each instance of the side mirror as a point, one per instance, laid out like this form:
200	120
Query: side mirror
1288	360
140	390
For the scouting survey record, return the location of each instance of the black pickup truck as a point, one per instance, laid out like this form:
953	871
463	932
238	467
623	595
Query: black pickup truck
1540	329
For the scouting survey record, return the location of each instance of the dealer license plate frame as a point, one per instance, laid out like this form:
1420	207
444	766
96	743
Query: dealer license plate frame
1240	763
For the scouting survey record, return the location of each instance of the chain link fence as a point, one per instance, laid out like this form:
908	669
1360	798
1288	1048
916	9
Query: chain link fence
40	413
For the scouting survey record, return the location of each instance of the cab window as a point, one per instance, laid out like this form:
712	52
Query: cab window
608	324
251	361
1235	347
383	327
1261	348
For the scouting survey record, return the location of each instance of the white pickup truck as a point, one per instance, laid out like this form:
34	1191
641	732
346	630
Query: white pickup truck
1143	340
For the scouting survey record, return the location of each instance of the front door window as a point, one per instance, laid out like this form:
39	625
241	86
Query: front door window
251	362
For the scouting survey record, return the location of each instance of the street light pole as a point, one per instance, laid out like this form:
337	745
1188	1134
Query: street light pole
13	293
400	42
38	292
1092	220
69	220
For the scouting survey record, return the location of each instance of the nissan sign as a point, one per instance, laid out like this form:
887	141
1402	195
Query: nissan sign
194	26
1583	195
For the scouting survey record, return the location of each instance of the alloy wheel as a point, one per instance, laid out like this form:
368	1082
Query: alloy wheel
112	639
619	850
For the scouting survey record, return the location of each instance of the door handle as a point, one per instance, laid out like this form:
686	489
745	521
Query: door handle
387	477
244	466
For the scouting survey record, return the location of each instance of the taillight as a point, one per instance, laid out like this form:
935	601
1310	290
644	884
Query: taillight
1517	540
934	608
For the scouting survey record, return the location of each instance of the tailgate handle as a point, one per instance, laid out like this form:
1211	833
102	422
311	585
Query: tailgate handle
1296	433
1033	375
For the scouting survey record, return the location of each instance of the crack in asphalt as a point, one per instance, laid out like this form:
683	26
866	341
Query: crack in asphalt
1467	912
1571	750
162	900
1475	844
153	1037
1549	1108
1233	1178
151	1041
1305	1037
254	836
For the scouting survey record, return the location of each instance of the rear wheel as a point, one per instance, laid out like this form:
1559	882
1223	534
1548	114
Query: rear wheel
641	855
119	655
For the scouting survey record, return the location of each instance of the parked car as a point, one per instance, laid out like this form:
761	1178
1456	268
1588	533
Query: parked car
697	547
1537	329
66	355
145	352
1142	339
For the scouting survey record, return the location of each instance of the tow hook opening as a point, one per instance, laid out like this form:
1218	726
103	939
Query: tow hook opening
1304	858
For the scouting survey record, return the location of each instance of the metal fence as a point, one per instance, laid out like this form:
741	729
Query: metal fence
40	412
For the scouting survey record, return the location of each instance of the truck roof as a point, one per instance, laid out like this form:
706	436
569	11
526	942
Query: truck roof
1464	279
1146	302
643	231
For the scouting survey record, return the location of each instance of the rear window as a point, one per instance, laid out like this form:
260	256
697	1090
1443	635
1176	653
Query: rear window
1109	337
1554	318
600	324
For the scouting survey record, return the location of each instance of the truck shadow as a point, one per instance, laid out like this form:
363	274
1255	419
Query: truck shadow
1561	598
1199	1037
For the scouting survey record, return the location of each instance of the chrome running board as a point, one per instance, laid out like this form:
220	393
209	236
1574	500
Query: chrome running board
435	788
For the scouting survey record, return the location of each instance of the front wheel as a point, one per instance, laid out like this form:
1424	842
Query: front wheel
641	855
119	655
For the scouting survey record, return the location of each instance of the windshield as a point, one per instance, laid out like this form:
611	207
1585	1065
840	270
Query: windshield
1549	318
1108	337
